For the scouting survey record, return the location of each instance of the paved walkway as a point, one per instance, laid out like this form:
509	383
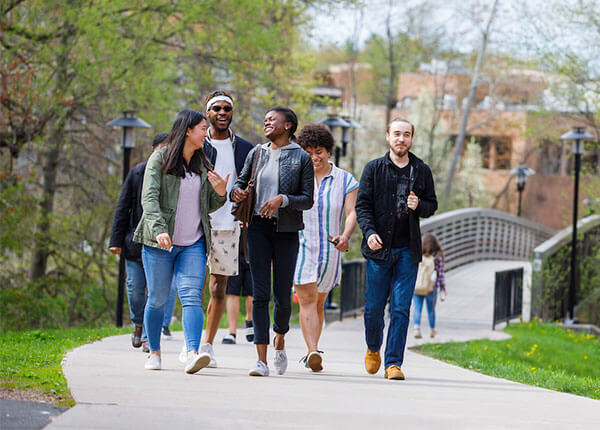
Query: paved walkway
113	391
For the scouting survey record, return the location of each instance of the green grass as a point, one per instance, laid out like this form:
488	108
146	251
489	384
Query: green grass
31	360
545	355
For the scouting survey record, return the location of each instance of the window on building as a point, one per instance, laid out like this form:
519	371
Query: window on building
496	151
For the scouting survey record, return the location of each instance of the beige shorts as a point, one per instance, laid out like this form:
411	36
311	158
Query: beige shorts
224	247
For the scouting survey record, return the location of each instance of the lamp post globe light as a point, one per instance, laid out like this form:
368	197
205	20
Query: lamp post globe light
522	173
578	135
332	121
129	122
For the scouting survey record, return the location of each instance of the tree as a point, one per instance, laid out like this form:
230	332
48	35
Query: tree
68	66
459	145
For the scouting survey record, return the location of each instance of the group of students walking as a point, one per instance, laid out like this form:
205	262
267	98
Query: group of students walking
304	210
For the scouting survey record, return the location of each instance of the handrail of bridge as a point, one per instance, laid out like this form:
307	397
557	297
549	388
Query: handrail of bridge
562	238
467	235
549	289
475	234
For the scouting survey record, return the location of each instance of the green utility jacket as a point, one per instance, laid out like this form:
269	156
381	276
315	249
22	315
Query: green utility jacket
160	193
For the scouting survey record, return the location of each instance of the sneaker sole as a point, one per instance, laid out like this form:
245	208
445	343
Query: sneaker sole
314	362
200	363
256	373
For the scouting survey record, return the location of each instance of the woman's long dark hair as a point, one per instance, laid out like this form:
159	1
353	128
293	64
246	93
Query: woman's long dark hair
431	245
290	116
173	163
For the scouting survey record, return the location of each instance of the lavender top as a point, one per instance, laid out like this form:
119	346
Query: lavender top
188	220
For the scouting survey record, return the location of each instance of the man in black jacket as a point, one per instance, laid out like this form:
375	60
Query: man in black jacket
126	218
395	191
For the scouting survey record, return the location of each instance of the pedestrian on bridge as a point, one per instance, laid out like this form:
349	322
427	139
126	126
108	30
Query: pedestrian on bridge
435	279
395	191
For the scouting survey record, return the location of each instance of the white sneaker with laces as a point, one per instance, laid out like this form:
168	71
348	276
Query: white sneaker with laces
197	362
207	347
183	354
260	369
152	362
280	362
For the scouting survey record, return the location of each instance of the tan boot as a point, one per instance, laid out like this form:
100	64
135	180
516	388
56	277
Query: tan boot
394	372
372	361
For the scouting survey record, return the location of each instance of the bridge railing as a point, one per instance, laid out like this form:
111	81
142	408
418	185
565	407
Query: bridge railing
475	234
551	268
467	235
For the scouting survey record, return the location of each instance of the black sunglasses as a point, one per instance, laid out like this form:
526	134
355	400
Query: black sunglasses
218	108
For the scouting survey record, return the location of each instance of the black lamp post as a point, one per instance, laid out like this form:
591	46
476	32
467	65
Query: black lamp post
129	122
332	121
522	173
578	135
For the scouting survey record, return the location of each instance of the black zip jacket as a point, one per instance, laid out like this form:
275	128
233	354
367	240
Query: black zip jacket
241	148
376	204
296	181
128	214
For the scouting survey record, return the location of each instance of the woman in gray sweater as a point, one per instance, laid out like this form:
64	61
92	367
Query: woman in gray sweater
284	188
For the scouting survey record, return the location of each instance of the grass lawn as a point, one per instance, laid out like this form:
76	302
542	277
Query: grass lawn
545	355
31	360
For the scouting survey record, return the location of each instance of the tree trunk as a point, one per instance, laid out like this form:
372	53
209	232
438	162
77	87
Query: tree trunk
50	157
460	140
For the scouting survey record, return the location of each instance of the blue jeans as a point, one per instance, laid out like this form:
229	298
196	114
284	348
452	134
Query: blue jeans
136	290
170	306
418	300
393	278
185	265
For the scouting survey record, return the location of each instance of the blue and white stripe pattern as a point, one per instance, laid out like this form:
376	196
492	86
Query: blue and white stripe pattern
318	260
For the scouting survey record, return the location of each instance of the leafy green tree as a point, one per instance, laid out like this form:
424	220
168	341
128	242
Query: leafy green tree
69	66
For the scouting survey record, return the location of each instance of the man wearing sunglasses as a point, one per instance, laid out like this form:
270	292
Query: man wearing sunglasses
227	153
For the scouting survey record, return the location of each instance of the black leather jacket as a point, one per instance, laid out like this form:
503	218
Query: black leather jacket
375	205
296	181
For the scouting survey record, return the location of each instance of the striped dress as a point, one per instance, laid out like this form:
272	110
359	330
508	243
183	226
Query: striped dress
318	260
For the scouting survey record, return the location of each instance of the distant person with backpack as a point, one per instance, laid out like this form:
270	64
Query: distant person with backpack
394	192
430	278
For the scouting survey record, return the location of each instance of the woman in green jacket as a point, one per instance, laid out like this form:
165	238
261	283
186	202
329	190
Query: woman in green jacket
180	190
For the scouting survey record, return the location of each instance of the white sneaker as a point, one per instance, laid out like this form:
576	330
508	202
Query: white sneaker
183	354
197	362
207	347
280	362
153	362
260	369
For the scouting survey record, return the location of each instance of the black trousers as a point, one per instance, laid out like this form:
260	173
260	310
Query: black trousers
265	247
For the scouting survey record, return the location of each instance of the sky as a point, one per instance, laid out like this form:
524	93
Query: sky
462	20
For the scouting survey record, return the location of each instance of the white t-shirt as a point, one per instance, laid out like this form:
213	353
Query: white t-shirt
222	219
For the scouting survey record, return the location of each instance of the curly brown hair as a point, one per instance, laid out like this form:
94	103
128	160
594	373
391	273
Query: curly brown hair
314	135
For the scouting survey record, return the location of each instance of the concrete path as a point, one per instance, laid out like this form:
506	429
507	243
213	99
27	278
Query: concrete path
113	391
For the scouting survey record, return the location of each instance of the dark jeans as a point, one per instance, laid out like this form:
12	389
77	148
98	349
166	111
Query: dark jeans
265	247
393	278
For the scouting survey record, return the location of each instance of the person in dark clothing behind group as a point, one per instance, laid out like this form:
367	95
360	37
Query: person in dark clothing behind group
284	188
394	192
126	218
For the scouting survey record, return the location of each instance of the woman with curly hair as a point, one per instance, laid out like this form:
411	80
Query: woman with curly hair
318	266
